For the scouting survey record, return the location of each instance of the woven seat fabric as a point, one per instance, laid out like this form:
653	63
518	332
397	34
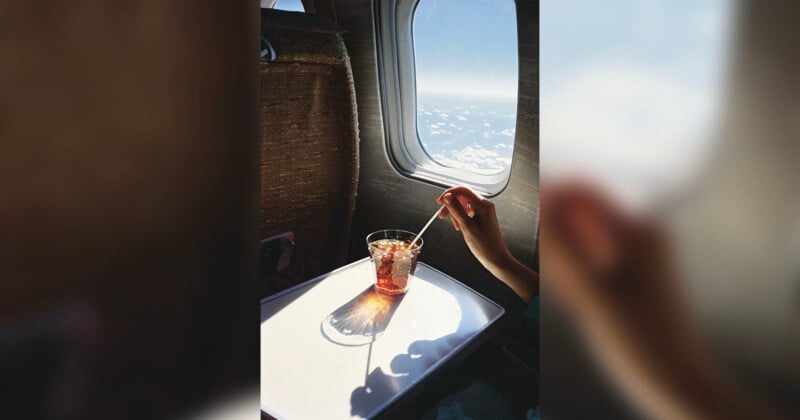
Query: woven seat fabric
309	154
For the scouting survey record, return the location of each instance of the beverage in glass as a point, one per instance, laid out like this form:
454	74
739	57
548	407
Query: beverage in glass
394	262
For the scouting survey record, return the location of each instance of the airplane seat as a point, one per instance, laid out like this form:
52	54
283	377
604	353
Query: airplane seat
309	145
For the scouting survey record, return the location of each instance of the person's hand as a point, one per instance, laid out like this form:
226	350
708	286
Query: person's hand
602	260
614	273
475	217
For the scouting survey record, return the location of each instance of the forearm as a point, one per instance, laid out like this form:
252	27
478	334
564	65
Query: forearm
516	275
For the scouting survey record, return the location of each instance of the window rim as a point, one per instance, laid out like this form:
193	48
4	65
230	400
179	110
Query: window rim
394	22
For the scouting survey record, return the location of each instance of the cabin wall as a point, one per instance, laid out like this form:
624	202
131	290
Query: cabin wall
387	199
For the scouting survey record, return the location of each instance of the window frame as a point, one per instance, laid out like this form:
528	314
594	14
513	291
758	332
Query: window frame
394	23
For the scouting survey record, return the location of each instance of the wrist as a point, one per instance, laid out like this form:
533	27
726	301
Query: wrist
501	261
516	275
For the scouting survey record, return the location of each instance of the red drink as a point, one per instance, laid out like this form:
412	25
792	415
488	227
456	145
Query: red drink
394	262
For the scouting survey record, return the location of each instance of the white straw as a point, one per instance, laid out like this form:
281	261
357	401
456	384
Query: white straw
435	215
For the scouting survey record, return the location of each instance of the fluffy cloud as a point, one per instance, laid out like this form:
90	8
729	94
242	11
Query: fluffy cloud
476	159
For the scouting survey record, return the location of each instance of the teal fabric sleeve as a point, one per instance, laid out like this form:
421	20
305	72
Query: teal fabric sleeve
532	311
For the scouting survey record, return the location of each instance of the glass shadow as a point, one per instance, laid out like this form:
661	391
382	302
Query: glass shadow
361	320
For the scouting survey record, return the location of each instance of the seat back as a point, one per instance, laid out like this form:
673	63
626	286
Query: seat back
309	138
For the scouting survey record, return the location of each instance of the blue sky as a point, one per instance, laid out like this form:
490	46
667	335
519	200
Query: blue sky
466	46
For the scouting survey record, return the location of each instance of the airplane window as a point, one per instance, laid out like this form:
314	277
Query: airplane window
290	5
465	57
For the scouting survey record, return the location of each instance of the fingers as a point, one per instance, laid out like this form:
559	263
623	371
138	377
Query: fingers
455	224
468	206
593	231
588	223
466	193
470	201
573	214
443	214
457	212
464	204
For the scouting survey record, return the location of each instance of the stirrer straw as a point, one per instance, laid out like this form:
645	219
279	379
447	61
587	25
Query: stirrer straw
411	245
